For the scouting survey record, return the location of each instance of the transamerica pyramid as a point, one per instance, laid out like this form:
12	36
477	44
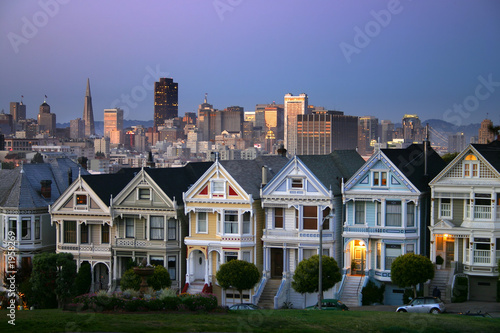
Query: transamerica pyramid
88	113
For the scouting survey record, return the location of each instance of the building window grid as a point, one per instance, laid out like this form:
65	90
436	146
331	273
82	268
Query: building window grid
445	207
359	212
201	226
246	223
129	227
393	213
231	222
156	227
410	214
278	218
26	228
172	229
70	232
37	227
105	234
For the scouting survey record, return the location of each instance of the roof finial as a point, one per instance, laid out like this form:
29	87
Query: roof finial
22	167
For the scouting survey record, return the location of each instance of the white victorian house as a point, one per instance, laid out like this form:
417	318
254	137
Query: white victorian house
297	202
465	224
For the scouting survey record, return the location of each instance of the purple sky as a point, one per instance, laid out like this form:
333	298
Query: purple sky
438	59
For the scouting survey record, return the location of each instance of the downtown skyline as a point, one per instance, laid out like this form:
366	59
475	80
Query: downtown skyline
381	58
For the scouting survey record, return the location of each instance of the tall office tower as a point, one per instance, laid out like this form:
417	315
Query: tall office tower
88	112
456	143
166	101
113	125
412	128
46	120
386	131
18	111
273	116
6	123
485	134
76	128
206	121
294	106
231	119
367	131
323	132
101	145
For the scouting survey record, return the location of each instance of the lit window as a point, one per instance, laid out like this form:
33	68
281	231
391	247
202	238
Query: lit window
379	178
81	199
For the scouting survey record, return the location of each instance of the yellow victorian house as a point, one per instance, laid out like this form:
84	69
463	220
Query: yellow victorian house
226	221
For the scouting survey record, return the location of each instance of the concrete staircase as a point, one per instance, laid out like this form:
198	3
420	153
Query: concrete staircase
350	294
266	300
441	278
196	287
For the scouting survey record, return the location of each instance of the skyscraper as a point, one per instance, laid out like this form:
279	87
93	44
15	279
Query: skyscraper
113	125
325	131
485	135
367	131
166	101
46	120
412	128
77	128
18	111
294	105
456	143
88	113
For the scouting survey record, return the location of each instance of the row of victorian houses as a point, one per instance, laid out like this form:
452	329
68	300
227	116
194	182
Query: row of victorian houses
268	211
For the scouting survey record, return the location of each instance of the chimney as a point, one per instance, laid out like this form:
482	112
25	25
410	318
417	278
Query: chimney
46	188
264	175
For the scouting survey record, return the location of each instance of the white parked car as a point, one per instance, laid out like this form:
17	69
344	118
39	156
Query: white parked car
424	305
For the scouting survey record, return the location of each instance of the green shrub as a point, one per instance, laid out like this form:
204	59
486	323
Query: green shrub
460	290
135	305
372	293
200	302
171	303
83	280
159	280
167	292
155	305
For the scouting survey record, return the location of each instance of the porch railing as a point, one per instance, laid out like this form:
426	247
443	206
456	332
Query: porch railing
482	212
131	242
482	257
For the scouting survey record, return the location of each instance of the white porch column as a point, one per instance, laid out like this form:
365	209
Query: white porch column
285	251
92	285
114	264
110	274
19	229
207	269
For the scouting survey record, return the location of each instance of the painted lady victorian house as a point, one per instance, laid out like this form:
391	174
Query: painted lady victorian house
386	215
297	203
226	221
25	195
109	220
465	224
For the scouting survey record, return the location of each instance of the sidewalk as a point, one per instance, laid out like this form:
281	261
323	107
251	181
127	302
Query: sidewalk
493	308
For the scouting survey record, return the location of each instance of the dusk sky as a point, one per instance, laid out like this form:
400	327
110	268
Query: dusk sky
437	59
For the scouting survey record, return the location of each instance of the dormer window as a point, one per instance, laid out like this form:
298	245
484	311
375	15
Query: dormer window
471	166
297	183
379	178
218	188
81	199
144	194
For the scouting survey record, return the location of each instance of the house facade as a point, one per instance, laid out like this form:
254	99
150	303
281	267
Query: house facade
297	203
386	215
225	222
465	219
111	221
25	195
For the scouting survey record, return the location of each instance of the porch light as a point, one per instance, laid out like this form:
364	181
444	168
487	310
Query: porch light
320	286
361	243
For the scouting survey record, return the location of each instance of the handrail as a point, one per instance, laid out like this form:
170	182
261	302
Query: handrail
260	289
341	287
278	294
361	283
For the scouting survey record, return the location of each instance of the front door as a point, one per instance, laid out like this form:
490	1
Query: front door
358	260
450	252
276	263
199	265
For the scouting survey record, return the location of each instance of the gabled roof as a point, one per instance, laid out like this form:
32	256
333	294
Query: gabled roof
331	168
491	152
21	188
107	185
172	181
248	173
411	161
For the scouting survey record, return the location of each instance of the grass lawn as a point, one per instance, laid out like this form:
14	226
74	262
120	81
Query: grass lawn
40	321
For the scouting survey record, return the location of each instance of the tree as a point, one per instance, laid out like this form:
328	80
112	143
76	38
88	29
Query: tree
411	269
239	274
43	280
66	273
159	280
306	277
448	157
82	160
37	158
83	280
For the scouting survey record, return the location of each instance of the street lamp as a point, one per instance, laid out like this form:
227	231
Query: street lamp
320	294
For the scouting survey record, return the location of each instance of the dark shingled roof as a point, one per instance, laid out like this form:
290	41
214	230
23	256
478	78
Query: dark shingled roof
106	185
21	188
491	152
248	173
331	168
411	161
